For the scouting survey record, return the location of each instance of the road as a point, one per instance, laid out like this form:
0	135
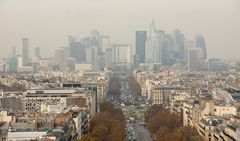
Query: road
135	132
143	134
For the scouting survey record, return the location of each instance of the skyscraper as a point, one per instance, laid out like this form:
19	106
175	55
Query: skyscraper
37	52
25	50
178	45
12	65
108	58
200	43
77	49
95	39
91	56
193	59
13	52
154	45
71	63
166	49
104	43
188	44
140	45
61	55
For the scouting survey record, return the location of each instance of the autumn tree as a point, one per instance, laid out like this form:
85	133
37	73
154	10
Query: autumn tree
188	133
167	126
114	86
107	125
134	85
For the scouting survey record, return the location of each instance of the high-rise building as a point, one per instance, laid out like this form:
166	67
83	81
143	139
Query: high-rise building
135	61
77	49
104	43
166	49
200	43
188	44
193	59
25	50
91	56
140	45
108	58
61	55
86	42
20	61
12	65
37	52
154	45
71	63
99	63
178	49
13	52
122	53
95	38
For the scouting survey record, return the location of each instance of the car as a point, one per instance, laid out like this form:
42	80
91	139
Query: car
146	124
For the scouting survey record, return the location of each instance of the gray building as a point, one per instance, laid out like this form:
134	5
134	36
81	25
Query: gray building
25	51
71	63
77	50
140	45
61	55
13	52
37	52
217	65
200	43
105	44
108	58
193	59
12	65
95	39
166	50
178	50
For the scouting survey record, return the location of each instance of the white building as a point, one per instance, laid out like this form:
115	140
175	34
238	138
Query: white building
225	110
4	117
20	61
154	45
2	67
24	136
83	67
25	69
44	63
82	98
52	108
122	54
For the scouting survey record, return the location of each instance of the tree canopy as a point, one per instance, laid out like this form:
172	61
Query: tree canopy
134	85
107	125
167	126
114	86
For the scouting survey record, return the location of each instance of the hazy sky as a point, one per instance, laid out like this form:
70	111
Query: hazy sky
47	23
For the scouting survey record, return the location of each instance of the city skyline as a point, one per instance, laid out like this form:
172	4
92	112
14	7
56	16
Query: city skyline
117	20
119	70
